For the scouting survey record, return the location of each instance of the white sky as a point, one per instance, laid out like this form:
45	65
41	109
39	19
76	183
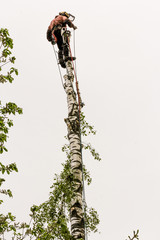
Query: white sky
118	57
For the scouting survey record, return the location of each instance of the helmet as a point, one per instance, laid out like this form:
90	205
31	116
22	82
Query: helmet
65	14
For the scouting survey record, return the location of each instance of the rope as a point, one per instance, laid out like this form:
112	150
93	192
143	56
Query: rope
83	189
74	46
79	98
58	67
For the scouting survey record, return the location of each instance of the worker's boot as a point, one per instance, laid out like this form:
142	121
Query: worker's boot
65	50
66	54
69	59
60	58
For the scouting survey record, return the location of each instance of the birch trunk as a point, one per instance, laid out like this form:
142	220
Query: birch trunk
73	126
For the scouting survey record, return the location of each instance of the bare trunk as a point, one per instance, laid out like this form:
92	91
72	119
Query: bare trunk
73	125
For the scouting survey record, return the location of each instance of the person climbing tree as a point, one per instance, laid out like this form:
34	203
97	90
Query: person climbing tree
54	35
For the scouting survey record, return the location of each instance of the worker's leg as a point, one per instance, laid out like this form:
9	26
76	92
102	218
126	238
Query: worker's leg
59	39
65	50
49	35
67	54
60	57
53	38
60	47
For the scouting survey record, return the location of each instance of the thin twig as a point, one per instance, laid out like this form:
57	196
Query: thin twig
24	235
135	235
4	64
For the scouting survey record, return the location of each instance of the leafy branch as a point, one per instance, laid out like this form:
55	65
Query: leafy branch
5	56
86	128
7	222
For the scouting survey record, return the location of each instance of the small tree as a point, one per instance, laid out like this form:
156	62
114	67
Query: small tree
6	75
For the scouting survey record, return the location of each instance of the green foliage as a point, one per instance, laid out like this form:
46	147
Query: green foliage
86	175
7	222
91	220
86	129
6	41
6	44
8	168
50	220
92	150
6	123
6	192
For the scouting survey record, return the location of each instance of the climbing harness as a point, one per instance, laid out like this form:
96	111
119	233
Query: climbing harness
66	34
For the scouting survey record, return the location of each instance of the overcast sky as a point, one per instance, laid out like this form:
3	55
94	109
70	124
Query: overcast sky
118	58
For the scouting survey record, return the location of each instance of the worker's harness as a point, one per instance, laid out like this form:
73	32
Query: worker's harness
66	34
59	26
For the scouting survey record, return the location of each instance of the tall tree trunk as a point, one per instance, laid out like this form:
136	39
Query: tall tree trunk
73	126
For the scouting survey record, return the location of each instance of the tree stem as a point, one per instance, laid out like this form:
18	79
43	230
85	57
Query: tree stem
73	125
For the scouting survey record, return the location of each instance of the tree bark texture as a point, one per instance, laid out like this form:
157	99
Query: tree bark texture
73	126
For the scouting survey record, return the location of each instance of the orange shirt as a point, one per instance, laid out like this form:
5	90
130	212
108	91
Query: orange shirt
59	20
56	21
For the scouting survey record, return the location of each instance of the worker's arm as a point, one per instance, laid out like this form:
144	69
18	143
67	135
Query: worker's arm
52	24
49	31
70	24
49	35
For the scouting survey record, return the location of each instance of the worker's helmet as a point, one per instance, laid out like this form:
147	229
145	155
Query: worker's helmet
65	14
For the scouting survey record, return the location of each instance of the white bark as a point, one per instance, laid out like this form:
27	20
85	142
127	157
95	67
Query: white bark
73	125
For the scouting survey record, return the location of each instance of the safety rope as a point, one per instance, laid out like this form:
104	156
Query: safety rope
74	47
77	87
58	67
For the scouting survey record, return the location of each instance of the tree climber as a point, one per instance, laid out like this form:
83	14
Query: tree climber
54	36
